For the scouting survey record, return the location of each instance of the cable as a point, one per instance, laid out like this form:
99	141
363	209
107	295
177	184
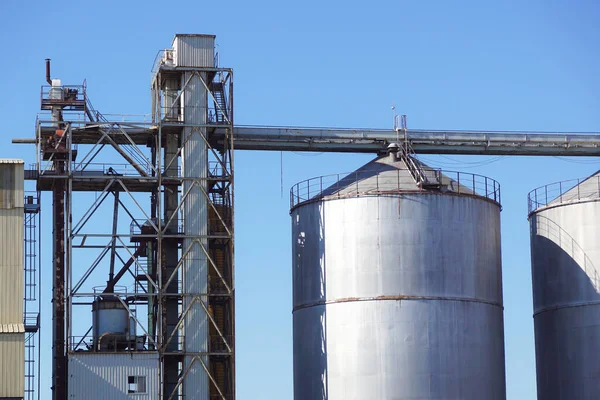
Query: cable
462	165
312	154
580	161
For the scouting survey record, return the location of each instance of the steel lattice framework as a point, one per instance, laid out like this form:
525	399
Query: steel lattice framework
181	276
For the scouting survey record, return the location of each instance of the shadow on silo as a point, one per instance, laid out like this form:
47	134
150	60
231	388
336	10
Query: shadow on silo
565	272
310	322
323	317
566	314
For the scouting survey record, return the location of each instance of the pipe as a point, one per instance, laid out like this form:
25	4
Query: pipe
24	141
48	72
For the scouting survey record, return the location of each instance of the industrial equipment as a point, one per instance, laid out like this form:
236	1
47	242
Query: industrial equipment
162	324
167	252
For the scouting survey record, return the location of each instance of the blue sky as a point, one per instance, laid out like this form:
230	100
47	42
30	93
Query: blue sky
447	65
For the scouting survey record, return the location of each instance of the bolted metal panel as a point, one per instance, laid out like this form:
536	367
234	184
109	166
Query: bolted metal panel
194	50
398	296
565	257
195	267
104	376
12	365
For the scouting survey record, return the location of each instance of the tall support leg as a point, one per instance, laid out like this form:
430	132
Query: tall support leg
59	377
170	258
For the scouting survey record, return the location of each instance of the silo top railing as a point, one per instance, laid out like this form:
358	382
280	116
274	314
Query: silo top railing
364	183
564	191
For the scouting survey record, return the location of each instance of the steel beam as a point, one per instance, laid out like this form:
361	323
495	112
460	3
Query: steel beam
374	140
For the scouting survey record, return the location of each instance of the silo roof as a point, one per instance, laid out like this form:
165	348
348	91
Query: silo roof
582	189
390	174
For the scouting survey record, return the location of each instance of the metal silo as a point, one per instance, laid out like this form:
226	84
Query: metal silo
397	285
564	219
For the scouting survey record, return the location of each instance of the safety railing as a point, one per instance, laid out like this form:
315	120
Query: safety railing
89	170
163	57
31	320
133	118
109	344
563	192
66	95
365	183
216	227
215	110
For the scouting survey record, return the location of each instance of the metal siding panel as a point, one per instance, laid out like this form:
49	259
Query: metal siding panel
11	185
194	50
565	262
12	365
11	266
195	266
398	296
94	376
12	328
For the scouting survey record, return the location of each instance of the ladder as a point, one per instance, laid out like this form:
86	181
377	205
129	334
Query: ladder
31	300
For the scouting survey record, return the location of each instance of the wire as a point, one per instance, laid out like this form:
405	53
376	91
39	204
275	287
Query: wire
456	163
580	161
311	154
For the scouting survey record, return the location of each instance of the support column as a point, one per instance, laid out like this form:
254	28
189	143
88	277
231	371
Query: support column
59	379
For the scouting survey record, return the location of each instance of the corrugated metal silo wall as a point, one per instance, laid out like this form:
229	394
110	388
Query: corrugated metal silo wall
565	259
104	376
12	367
398	297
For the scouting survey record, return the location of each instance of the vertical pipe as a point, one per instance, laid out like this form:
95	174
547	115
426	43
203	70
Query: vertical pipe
111	273
48	79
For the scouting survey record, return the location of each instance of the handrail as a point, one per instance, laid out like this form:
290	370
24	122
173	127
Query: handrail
557	193
361	183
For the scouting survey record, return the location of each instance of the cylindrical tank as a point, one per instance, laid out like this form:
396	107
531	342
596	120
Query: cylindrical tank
564	218
109	316
397	286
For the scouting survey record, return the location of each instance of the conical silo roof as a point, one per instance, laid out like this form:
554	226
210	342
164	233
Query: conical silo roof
565	192
582	189
388	173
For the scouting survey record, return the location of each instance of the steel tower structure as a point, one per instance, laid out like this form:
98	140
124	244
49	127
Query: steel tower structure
172	189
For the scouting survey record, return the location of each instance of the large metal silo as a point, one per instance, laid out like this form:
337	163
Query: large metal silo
397	286
564	219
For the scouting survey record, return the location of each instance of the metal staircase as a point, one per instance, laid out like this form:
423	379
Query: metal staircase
220	102
114	130
425	179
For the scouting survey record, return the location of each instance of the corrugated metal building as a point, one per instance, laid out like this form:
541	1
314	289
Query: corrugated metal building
12	332
194	50
113	376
